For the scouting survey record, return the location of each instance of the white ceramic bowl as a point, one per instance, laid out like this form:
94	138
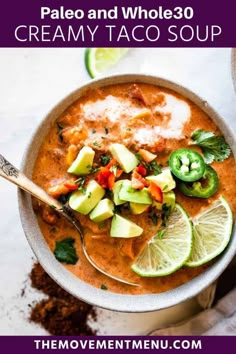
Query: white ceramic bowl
78	288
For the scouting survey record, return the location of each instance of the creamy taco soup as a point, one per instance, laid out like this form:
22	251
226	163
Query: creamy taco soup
124	157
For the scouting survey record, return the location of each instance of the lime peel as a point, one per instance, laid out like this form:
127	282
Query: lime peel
212	231
98	60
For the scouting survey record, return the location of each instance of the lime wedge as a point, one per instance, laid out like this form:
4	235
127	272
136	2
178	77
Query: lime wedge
167	250
98	60
212	230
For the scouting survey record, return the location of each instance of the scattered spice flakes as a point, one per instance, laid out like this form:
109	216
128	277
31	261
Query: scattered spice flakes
60	314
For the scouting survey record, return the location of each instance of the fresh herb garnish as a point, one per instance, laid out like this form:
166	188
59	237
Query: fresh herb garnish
151	166
161	233
154	218
89	195
166	211
213	147
93	169
165	187
81	181
154	167
65	251
53	206
94	131
138	156
104	287
59	131
102	224
106	130
96	144
105	159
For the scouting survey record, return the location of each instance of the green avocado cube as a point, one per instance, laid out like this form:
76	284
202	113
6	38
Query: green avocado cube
83	162
164	180
137	208
122	227
103	210
126	159
168	199
84	202
116	191
130	194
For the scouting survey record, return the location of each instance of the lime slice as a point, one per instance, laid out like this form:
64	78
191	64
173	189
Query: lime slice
167	250
98	60
212	230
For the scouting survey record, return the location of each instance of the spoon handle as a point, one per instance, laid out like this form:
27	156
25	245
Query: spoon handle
12	174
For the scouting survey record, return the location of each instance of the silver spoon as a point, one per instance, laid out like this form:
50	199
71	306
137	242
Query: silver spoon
12	174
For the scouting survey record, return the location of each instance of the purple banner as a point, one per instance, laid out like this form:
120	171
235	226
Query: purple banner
139	23
31	345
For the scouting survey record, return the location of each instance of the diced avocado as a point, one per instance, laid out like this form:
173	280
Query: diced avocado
84	203
126	159
168	199
130	194
137	209
83	162
102	211
164	180
122	227
116	191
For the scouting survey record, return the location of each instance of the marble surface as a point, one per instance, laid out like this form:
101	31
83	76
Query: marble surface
31	82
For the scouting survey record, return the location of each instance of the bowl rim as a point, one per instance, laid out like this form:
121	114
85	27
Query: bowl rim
68	281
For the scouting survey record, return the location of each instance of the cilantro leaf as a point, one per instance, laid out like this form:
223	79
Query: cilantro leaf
154	167
65	251
105	159
213	147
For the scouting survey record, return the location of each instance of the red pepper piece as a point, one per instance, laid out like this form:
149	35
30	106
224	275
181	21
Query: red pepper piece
137	181
142	170
71	187
156	192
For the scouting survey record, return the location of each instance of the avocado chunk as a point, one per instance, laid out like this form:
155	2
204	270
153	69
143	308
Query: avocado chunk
102	211
84	203
130	194
83	162
116	191
164	180
122	227
137	208
125	158
168	199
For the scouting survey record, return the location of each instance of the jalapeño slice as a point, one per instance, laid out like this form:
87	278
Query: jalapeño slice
204	188
186	164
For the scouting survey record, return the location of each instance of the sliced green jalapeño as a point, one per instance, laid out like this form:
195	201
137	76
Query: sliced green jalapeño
204	188
186	164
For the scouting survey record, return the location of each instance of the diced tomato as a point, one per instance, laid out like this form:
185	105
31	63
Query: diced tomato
111	181
118	173
71	187
111	163
137	181
147	155
142	170
156	192
105	178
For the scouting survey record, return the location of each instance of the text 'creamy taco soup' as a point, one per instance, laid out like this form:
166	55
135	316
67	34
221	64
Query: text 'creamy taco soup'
152	181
